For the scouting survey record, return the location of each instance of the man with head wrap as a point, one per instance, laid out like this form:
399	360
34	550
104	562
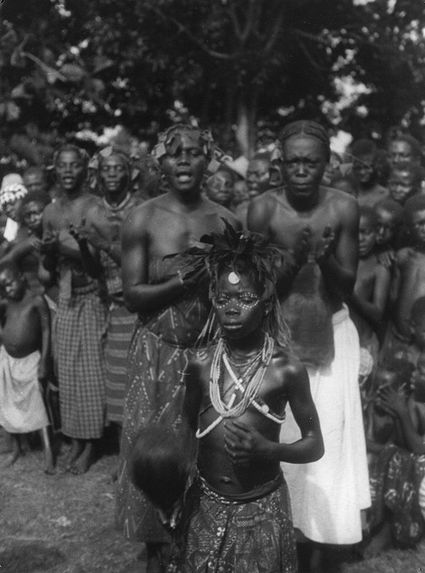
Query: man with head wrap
318	226
170	296
102	231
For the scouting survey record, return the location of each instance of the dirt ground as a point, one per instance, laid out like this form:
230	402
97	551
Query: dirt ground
65	524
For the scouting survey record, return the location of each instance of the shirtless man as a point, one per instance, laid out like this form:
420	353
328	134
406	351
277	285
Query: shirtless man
171	298
236	395
25	361
320	226
409	273
81	315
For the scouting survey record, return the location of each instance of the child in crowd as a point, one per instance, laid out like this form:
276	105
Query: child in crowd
365	173
380	426
393	516
35	179
236	393
260	176
403	464
24	251
404	183
24	362
370	295
409	276
219	187
389	215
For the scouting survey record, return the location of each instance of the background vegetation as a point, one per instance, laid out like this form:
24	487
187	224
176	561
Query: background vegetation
238	66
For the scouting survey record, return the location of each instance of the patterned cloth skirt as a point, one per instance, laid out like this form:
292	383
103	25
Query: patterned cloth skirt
230	536
80	324
119	332
155	393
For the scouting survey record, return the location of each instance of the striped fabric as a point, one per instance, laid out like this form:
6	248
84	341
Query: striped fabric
118	337
80	324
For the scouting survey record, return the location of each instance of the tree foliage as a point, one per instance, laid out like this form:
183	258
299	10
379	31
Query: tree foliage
69	64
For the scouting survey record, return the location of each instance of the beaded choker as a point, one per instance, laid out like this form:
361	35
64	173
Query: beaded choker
247	386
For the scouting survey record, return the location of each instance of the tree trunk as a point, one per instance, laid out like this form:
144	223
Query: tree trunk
246	124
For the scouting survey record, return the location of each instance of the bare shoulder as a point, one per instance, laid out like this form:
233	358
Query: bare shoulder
40	302
345	204
89	200
141	214
94	209
402	255
266	201
221	212
51	211
289	365
261	210
199	365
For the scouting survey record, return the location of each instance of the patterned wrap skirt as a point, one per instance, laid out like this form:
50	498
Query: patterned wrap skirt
234	536
156	392
80	324
119	332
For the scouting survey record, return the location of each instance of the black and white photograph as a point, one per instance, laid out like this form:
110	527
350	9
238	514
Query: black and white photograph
212	286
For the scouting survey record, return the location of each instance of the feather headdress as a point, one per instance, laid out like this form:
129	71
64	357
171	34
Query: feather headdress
247	253
242	251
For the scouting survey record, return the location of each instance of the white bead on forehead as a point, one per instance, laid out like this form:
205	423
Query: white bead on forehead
233	278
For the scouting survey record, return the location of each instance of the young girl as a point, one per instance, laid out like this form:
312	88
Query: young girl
236	393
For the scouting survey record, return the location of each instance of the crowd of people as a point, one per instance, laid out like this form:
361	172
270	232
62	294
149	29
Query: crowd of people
255	335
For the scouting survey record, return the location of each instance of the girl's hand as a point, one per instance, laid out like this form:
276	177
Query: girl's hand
244	444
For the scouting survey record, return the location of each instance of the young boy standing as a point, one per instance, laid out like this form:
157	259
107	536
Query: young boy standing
24	361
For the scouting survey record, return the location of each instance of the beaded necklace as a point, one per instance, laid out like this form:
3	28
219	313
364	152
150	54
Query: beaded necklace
253	378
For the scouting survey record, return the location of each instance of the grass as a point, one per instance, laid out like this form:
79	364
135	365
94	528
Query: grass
65	524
